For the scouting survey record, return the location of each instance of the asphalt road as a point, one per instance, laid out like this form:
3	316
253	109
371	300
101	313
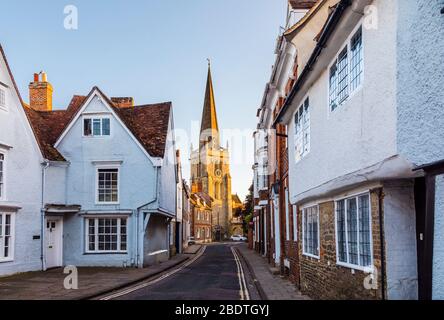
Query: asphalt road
214	276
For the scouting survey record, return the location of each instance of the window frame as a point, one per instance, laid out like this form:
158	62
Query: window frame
96	234
92	118
11	246
3	92
3	181
299	137
350	92
311	255
367	269
96	185
287	215
295	223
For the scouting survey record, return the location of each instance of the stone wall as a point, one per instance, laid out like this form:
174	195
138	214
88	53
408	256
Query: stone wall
323	279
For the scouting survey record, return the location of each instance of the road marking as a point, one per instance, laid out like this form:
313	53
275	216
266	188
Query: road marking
244	294
147	284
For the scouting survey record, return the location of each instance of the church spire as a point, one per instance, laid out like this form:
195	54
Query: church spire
209	130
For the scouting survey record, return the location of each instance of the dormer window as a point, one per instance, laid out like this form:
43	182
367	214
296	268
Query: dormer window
96	127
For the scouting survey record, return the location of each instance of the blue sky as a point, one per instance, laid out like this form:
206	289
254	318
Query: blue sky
154	51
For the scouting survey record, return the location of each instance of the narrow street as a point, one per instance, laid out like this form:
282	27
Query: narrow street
213	276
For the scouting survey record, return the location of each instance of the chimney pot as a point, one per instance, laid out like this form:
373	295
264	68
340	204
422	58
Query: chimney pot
44	77
36	77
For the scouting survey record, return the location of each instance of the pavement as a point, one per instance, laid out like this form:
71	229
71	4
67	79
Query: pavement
48	285
270	286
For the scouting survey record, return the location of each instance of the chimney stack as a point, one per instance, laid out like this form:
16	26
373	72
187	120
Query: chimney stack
123	102
40	93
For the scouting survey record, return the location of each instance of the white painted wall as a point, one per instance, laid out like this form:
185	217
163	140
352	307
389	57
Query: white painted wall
400	240
22	180
438	253
364	127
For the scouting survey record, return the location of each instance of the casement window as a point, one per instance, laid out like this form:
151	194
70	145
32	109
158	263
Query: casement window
106	235
107	185
302	130
6	236
2	176
96	127
2	98
310	231
353	232
346	73
295	223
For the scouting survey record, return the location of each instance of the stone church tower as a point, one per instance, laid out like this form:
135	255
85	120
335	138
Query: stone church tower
210	167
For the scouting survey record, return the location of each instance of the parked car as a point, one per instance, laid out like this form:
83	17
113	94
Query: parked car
191	241
237	237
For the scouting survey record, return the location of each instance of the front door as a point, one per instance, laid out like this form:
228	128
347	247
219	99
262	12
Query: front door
53	252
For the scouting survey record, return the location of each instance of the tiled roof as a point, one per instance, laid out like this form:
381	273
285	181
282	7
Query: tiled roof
48	126
148	123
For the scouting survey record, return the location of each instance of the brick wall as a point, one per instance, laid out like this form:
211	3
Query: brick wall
323	279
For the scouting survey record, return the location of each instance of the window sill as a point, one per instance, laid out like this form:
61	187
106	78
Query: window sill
6	260
355	267
107	203
105	252
3	108
311	256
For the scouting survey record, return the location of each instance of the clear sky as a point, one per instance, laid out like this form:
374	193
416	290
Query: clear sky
154	51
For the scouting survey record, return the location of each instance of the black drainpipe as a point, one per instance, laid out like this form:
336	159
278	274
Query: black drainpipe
382	239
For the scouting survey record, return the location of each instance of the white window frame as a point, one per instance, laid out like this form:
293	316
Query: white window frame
346	264
12	237
3	94
287	216
96	117
3	182
308	254
96	226
301	145
96	185
295	223
350	92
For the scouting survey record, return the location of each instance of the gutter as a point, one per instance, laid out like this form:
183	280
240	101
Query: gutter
325	36
45	165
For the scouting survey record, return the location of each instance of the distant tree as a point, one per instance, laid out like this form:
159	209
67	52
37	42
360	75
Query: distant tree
247	212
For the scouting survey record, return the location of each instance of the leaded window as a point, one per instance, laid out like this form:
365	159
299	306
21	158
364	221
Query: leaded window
346	73
310	231
353	231
302	130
